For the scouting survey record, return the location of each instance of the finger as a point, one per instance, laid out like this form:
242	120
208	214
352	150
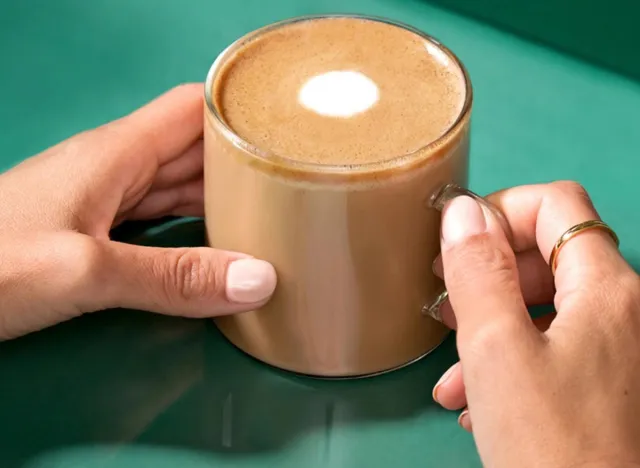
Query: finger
540	214
449	392
195	210
536	283
163	129
191	282
464	420
70	274
135	146
166	202
118	159
589	266
494	326
184	168
480	272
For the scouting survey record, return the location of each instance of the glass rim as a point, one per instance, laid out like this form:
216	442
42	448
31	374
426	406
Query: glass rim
272	158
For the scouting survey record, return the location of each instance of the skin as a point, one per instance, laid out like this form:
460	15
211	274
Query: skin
557	392
562	392
56	258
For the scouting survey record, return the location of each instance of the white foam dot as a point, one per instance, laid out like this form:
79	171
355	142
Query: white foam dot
339	93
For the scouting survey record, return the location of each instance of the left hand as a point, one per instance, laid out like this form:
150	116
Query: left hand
56	258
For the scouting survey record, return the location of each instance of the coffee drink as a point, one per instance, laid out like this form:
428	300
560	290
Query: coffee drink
339	91
325	138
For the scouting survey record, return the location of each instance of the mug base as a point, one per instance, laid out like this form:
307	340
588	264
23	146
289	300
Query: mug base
340	377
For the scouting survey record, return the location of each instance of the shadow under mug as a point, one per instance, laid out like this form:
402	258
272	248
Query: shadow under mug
353	245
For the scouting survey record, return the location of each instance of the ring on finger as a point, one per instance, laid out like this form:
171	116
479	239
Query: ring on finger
574	231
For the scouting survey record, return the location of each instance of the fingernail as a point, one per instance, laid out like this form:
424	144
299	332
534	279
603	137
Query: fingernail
442	380
463	217
437	267
250	280
434	309
465	421
447	316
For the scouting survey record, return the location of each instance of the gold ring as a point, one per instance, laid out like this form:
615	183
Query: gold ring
574	231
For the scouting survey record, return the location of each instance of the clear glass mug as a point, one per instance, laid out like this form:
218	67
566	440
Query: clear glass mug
352	245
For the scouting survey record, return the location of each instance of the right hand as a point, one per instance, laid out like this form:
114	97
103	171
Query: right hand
565	393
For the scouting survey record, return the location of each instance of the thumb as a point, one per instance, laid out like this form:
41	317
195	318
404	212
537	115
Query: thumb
191	282
481	276
498	344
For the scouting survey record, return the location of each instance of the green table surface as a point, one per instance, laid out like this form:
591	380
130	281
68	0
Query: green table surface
130	389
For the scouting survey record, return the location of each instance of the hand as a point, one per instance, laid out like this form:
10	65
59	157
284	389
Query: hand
564	393
56	259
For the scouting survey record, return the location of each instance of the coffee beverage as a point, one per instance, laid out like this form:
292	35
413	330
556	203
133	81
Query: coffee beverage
339	91
325	138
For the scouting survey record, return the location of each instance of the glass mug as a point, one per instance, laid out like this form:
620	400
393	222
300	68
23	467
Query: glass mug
352	245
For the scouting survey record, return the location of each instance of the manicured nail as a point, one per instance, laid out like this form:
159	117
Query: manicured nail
447	315
437	267
442	380
463	217
250	280
465	421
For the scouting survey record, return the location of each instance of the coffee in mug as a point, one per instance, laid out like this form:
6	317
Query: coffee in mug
325	139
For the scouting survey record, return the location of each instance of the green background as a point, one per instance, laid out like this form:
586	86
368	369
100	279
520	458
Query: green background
605	33
128	389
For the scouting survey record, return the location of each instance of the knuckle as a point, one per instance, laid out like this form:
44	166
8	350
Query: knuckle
193	277
107	134
75	145
573	189
77	149
97	149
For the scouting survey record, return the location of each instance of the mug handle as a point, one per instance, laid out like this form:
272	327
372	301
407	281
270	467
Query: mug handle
438	200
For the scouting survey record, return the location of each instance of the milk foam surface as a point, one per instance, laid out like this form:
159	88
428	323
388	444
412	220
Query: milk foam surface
339	91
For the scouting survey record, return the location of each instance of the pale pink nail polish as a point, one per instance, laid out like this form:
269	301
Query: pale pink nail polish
437	267
464	420
463	217
442	380
250	280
